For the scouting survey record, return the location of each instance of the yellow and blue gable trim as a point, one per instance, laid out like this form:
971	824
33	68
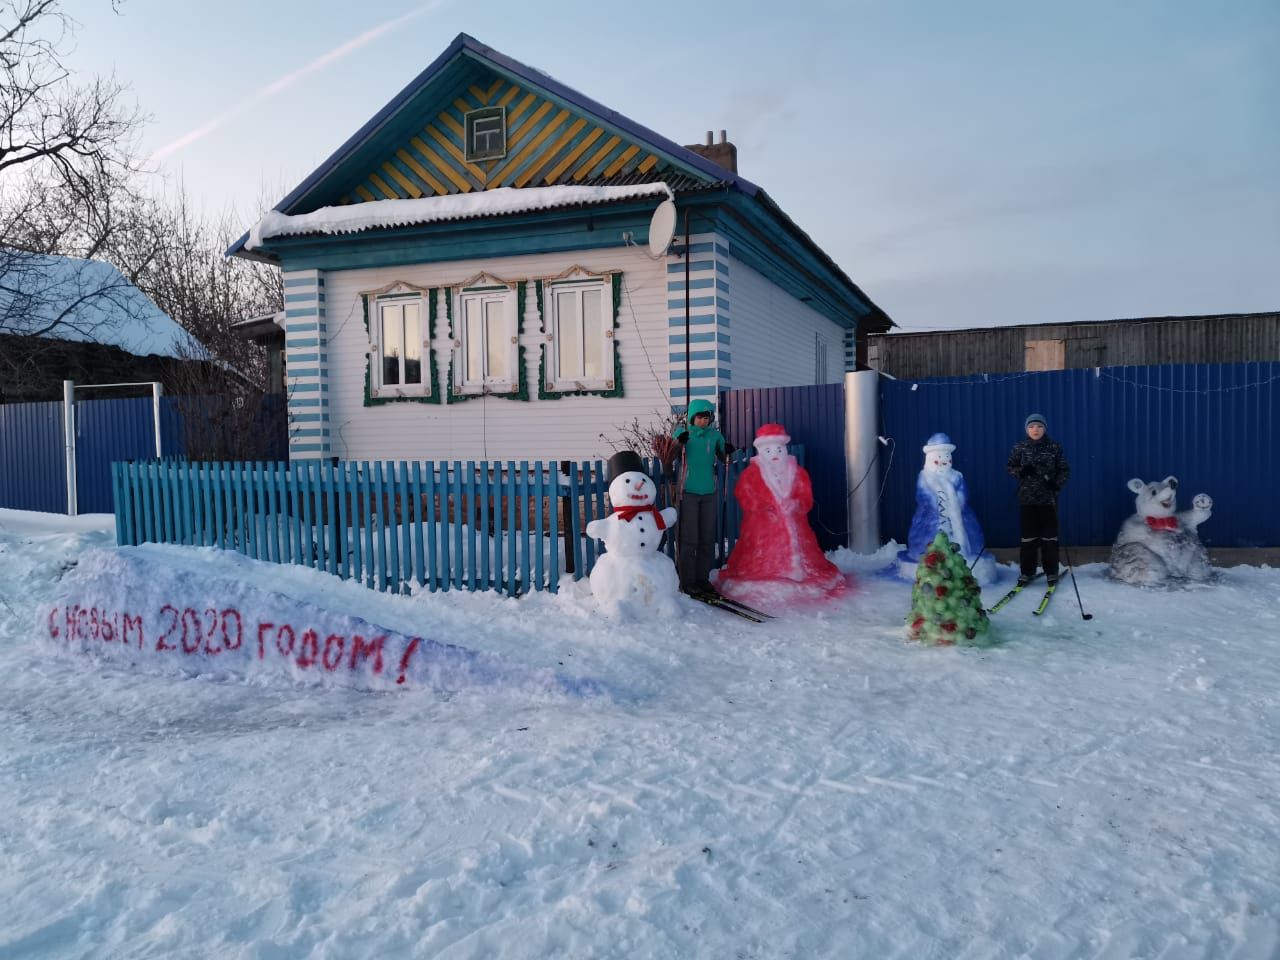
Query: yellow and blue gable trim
414	147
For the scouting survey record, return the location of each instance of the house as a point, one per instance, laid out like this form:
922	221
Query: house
470	275
63	318
1142	341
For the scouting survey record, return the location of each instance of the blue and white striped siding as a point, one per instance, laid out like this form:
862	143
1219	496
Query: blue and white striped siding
306	344
709	347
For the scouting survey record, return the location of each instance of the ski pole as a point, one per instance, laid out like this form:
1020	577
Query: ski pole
1071	568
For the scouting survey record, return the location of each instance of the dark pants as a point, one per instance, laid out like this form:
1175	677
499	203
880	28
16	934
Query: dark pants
697	530
1039	535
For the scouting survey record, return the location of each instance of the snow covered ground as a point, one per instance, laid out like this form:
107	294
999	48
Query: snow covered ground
811	787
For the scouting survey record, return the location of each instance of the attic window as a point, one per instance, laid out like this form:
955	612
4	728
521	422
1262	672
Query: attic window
487	134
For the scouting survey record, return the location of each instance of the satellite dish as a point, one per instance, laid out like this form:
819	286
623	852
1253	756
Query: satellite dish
662	228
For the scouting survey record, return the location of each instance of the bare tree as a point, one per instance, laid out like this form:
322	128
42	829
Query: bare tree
70	187
226	409
69	168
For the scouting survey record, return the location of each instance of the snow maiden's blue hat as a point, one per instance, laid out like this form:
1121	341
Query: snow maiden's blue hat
1036	418
940	442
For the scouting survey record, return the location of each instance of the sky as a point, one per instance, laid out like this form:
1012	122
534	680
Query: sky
975	164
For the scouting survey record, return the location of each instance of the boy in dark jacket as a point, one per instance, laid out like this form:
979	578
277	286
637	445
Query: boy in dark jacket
703	445
1041	469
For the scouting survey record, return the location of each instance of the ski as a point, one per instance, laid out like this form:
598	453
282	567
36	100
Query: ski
739	605
1000	604
1044	601
730	606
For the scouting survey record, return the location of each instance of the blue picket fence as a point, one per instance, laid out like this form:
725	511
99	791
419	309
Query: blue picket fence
460	525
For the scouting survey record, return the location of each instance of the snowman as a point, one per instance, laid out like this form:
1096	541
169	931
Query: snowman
942	506
633	579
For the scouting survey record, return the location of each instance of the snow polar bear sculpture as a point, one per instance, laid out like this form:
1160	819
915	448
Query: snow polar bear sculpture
633	579
1157	546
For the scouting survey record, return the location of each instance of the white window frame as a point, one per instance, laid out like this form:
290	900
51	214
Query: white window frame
560	382
377	387
486	383
469	120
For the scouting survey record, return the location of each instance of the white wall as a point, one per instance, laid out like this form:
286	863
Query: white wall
494	427
772	335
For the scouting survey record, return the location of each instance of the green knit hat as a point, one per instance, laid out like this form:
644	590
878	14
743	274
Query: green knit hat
701	406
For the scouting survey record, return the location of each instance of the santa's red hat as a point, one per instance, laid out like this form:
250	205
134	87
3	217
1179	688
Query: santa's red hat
771	433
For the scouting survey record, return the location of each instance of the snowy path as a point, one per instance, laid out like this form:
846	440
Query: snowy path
814	787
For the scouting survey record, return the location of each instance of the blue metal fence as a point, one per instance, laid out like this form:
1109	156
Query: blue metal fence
123	429
1212	426
33	461
33	447
815	419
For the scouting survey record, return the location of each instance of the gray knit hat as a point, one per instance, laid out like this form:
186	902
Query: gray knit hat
1036	418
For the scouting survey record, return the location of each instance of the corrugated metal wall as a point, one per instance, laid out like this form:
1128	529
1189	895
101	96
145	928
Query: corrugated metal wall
814	417
33	455
1213	426
110	430
1224	339
32	458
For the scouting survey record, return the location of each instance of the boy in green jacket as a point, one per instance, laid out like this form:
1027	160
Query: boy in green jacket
703	445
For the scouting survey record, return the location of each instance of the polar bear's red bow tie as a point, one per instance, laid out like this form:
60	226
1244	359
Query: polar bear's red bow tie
1162	523
626	513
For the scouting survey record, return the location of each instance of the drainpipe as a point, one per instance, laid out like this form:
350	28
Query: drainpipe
688	345
861	417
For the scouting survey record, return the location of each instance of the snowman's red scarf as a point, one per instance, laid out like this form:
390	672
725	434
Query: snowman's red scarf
626	513
1162	523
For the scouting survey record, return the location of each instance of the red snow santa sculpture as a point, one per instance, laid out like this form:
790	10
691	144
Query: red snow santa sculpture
777	561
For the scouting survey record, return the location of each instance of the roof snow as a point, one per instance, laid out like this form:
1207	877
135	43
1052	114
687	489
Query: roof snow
87	301
357	217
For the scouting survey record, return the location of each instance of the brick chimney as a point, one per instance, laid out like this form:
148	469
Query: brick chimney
723	153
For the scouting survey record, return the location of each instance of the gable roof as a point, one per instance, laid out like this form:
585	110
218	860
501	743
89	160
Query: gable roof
413	148
86	301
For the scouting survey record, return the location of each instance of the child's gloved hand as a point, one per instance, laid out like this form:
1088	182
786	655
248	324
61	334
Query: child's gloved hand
1027	470
683	438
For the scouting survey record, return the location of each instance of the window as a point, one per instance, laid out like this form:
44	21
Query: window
580	330
486	134
399	347
1046	354
487	357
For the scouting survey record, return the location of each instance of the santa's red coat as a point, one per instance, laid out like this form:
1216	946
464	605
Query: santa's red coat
777	542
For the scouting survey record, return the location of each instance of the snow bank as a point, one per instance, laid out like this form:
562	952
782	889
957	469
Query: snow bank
122	606
813	787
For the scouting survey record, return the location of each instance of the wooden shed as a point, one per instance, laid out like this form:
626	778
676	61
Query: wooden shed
1141	341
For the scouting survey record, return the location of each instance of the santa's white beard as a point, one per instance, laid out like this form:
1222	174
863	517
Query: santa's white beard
779	476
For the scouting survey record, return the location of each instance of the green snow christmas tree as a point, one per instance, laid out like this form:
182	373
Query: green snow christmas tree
946	602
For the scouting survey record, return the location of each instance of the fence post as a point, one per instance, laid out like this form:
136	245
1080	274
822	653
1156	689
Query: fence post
566	505
156	390
69	437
